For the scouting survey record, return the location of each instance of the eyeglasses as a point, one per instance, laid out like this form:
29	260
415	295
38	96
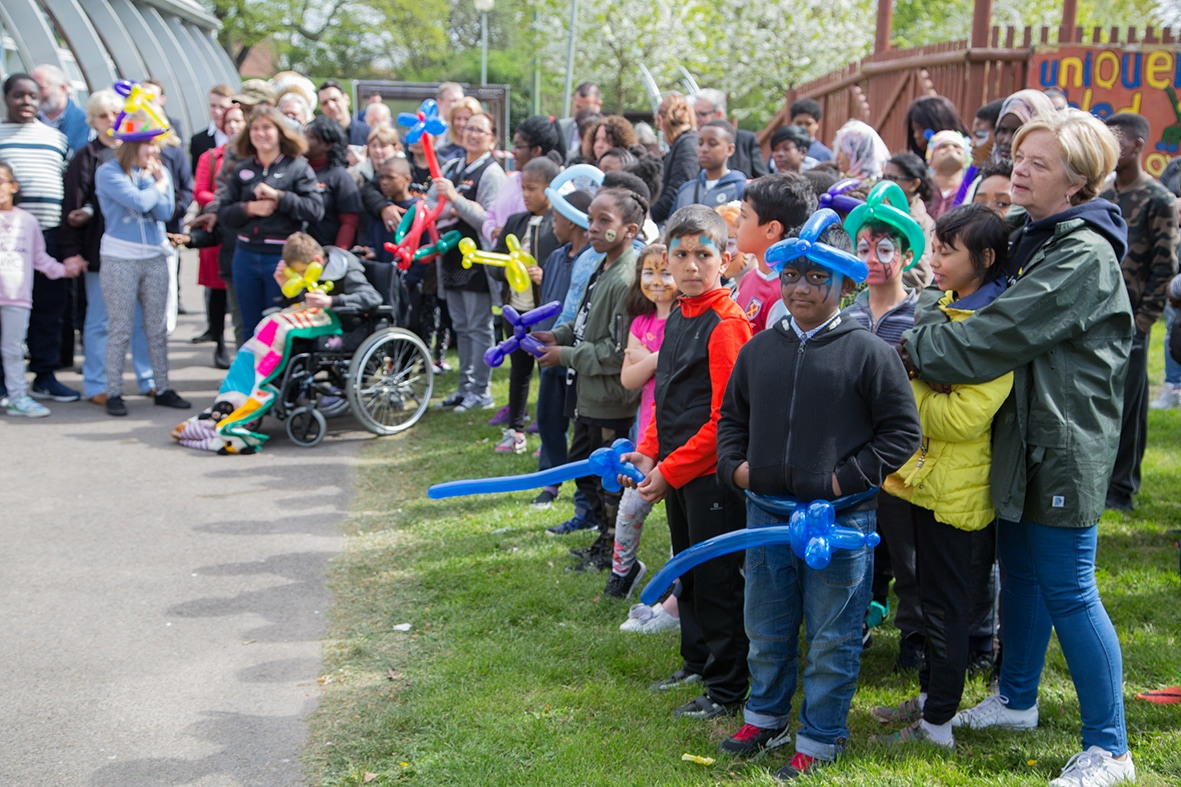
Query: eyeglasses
479	132
898	178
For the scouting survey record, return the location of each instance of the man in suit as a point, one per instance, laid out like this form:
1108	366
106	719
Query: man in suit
710	104
220	98
586	96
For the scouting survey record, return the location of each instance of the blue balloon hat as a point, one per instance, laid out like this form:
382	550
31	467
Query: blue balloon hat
807	245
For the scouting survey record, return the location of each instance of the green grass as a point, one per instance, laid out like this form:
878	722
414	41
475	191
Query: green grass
514	672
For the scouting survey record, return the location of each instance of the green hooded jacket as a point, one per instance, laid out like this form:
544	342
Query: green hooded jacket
1064	328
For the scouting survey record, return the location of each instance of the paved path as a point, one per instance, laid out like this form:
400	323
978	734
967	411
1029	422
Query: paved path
161	609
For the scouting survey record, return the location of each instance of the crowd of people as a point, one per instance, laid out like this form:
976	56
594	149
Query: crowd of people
962	325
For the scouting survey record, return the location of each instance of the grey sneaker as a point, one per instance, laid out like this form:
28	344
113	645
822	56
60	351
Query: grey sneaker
1169	398
475	402
995	712
678	678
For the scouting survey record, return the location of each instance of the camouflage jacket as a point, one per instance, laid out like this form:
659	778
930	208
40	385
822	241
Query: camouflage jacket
1151	214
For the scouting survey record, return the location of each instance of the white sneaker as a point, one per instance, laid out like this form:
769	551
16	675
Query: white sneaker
1168	399
27	407
644	619
512	442
995	712
1095	767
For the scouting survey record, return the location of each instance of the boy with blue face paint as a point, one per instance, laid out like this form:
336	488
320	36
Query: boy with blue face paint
816	409
678	454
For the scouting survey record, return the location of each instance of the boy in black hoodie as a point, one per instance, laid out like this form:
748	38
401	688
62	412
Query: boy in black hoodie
816	408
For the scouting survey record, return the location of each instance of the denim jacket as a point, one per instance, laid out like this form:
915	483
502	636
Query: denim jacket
133	208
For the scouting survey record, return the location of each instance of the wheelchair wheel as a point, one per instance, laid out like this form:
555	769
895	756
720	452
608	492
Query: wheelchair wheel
306	426
390	381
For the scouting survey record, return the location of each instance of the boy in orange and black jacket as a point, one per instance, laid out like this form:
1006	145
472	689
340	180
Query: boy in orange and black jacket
678	454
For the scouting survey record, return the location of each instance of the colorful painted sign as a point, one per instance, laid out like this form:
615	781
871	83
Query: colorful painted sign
1142	78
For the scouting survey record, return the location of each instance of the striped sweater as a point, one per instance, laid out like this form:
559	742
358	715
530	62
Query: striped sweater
37	155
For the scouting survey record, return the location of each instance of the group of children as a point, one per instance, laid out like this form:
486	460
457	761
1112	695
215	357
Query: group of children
814	406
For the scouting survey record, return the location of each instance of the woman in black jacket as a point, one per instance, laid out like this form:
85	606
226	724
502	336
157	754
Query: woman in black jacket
271	193
676	121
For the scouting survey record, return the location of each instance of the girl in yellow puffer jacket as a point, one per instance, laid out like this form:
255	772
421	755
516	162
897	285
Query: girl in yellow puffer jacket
946	482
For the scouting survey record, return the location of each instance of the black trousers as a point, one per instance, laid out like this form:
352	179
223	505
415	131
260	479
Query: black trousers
713	634
520	375
944	565
47	321
587	437
894	555
1133	435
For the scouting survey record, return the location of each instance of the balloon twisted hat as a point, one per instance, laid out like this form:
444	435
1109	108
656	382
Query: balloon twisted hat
140	119
837	199
887	204
807	245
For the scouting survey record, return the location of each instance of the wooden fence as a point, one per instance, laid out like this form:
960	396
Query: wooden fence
878	89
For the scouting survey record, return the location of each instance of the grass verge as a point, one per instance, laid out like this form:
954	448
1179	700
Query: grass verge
514	671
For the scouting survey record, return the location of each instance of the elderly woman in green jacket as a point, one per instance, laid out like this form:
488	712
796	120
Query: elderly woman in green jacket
1064	329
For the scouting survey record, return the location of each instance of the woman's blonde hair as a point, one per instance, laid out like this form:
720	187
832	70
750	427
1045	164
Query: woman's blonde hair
468	103
1089	149
679	117
291	142
100	103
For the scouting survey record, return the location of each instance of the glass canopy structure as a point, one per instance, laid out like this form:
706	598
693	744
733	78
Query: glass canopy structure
96	42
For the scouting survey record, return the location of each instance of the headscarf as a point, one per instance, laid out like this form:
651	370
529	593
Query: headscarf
1025	104
866	151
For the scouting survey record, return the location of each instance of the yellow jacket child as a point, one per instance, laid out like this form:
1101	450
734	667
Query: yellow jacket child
949	474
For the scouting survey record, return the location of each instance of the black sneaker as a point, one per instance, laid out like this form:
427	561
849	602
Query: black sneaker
171	398
751	740
911	653
47	387
598	556
544	500
702	707
115	406
678	678
453	400
622	587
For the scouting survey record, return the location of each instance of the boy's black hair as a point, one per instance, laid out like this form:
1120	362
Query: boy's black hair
401	163
327	83
1135	125
914	168
822	179
990	113
541	168
696	220
976	228
1003	168
795	134
632	206
331	134
648	168
626	180
580	200
876	227
14	78
806	106
931	113
541	131
785	197
626	159
834	236
726	129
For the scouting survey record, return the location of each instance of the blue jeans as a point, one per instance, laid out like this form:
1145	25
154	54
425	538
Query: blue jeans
94	343
781	593
1172	368
1048	578
255	286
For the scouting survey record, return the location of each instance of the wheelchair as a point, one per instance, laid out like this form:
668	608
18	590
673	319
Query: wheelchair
386	380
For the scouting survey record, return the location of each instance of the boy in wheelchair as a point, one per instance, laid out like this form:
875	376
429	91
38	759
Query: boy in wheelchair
330	313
